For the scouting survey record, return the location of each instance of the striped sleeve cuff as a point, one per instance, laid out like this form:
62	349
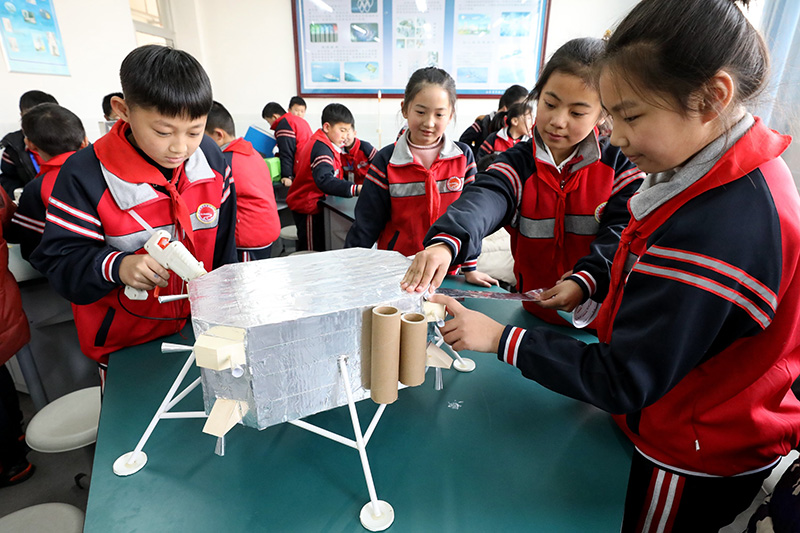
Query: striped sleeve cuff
469	266
110	267
510	342
586	282
354	190
453	242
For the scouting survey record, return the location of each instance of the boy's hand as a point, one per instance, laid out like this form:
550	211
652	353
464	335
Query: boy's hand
286	181
429	267
480	278
358	189
141	271
468	330
565	295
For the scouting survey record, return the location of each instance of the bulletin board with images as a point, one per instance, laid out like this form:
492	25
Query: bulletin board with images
31	38
357	47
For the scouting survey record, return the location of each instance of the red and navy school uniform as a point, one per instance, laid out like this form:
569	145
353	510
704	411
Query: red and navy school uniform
27	224
560	218
499	141
257	221
291	134
477	132
699	343
401	198
356	160
18	165
319	172
91	226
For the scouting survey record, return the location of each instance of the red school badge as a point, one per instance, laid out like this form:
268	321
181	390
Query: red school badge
206	213
455	183
598	212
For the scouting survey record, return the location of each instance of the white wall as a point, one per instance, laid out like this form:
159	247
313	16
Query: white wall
97	35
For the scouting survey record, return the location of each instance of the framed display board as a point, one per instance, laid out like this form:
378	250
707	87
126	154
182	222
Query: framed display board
352	47
31	38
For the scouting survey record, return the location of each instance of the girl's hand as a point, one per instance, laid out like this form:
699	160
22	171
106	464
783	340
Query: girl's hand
566	295
479	278
141	271
286	181
468	330
429	267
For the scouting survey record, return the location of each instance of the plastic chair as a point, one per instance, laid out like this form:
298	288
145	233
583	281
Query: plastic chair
288	233
66	424
45	518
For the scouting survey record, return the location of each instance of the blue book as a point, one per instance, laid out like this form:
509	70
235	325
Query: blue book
262	140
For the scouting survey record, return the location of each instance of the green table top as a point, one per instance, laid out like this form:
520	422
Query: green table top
492	451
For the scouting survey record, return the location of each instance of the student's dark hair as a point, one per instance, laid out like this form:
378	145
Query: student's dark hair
423	77
512	95
219	117
167	80
53	129
503	118
336	114
107	102
297	100
577	57
272	108
33	98
486	161
674	47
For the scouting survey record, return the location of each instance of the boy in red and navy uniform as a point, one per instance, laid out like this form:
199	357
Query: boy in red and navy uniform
319	172
292	132
146	173
257	222
356	158
54	133
479	130
560	219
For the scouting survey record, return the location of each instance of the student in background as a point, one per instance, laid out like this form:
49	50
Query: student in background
54	133
108	112
518	120
297	106
154	169
411	182
356	158
319	172
563	195
699	343
15	333
482	127
19	166
257	222
291	134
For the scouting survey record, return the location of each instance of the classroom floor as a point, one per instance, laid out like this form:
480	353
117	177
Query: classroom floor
54	479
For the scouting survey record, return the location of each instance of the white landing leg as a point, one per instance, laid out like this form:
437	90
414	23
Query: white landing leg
376	515
132	462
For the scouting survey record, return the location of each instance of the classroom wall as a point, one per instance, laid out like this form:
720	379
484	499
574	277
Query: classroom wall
97	35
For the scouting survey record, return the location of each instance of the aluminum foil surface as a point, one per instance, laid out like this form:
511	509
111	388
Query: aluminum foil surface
300	314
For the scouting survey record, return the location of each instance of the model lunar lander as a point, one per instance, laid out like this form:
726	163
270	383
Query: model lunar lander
283	339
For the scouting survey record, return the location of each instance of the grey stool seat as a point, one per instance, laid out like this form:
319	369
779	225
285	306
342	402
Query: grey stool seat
44	518
66	424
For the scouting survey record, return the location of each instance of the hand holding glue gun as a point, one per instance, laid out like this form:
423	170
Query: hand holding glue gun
143	272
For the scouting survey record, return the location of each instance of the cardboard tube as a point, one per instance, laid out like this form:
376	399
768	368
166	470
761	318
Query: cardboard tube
413	340
385	354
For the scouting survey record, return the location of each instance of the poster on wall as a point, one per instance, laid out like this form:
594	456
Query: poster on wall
31	39
350	47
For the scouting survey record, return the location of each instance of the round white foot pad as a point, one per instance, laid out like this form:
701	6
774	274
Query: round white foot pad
465	365
123	468
377	523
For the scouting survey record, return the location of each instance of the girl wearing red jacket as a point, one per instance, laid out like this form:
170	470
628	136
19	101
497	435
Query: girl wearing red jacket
519	121
699	343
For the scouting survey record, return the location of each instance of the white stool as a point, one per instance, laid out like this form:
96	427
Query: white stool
288	233
67	423
44	518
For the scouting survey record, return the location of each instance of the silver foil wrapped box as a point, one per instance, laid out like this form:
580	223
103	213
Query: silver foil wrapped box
300	313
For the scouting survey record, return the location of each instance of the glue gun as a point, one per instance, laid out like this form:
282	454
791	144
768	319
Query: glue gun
172	255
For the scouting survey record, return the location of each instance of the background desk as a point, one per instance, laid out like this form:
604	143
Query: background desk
493	451
339	214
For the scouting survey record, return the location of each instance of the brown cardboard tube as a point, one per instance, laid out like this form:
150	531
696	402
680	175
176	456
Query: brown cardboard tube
413	340
385	354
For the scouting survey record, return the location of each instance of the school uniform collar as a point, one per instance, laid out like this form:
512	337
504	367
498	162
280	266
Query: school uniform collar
503	134
660	187
585	153
401	155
